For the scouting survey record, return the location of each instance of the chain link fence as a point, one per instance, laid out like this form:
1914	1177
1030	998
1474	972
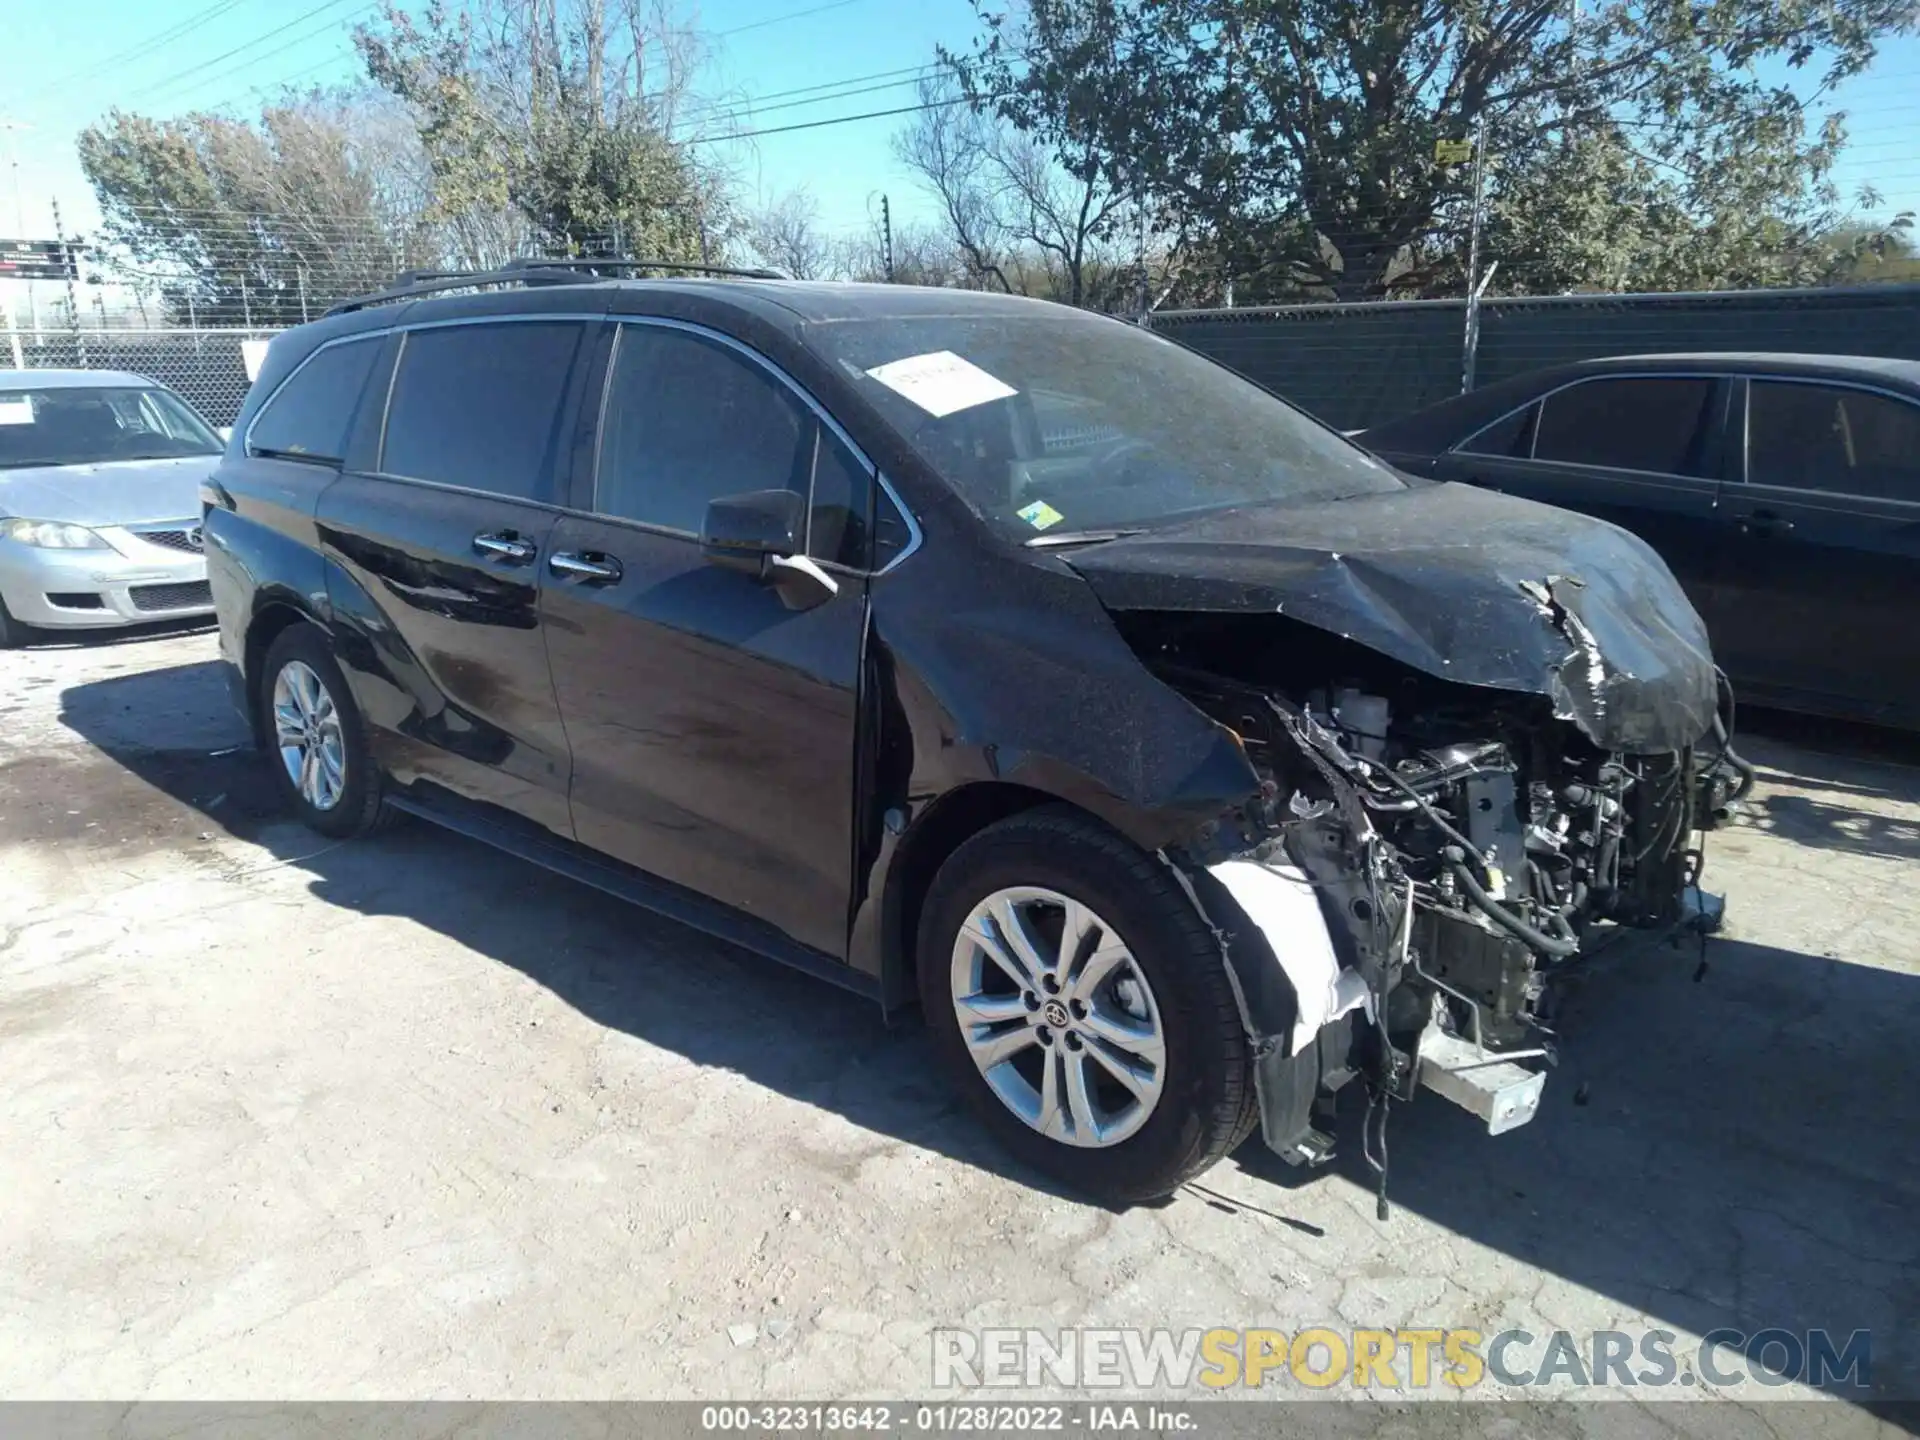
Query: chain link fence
207	367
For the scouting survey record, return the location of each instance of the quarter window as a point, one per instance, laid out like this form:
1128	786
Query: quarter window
479	406
688	421
310	416
1632	423
1829	438
1504	437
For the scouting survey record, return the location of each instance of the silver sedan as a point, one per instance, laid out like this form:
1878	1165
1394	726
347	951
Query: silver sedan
100	477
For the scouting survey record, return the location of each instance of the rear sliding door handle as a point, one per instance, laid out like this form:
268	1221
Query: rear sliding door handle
506	546
590	568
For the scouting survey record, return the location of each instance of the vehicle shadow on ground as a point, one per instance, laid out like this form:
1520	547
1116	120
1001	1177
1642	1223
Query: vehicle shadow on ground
1734	1151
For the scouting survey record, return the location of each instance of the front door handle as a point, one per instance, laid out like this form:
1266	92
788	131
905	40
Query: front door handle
504	545
1765	523
588	567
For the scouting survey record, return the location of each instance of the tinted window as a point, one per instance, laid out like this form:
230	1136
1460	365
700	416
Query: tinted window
1504	437
1820	437
479	406
1632	424
309	416
689	420
74	425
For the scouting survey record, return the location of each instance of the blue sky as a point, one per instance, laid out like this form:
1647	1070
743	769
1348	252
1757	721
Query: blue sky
759	47
55	80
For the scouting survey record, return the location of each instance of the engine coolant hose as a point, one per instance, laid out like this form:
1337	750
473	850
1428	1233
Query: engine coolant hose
1455	860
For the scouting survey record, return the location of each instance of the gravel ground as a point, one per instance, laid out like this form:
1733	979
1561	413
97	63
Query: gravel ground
408	1118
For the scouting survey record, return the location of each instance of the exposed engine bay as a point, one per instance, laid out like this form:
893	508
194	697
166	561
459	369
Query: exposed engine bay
1467	847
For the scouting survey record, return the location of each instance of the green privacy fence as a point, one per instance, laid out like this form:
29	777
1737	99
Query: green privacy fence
1358	365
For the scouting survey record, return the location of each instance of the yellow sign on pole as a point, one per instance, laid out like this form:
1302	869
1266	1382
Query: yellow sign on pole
1453	152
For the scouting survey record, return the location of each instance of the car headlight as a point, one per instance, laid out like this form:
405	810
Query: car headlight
51	535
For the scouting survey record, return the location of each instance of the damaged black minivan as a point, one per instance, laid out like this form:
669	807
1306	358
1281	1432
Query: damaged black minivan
1183	762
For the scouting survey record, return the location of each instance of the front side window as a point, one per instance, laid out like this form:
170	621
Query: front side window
92	425
1051	420
478	406
1830	438
1508	437
1633	423
308	417
689	420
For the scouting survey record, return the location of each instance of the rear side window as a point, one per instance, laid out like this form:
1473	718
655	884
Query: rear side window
1633	423
309	417
478	406
689	420
1827	437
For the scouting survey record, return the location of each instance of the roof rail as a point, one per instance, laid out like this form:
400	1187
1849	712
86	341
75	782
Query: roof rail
412	284
533	270
594	266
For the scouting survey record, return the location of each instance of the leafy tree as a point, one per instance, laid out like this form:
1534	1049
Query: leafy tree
236	222
1629	142
559	110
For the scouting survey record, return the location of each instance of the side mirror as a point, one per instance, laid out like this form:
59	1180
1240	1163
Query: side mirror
744	532
762	533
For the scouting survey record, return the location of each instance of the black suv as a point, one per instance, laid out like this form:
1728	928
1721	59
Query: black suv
1183	761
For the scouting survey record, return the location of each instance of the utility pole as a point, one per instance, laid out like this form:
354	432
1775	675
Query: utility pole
886	238
13	127
1476	283
73	302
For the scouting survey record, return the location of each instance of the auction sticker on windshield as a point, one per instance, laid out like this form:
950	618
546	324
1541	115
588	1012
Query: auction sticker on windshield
16	411
941	382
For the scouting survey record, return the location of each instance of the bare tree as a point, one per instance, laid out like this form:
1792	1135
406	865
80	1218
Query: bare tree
785	233
1025	217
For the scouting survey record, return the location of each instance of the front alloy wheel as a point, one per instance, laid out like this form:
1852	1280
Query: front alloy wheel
1081	1003
306	725
1058	1017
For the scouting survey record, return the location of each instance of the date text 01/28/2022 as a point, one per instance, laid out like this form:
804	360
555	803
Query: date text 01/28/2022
942	1419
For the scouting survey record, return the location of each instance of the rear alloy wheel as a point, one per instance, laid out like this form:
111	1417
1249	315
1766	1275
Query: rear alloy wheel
306	725
315	742
1077	996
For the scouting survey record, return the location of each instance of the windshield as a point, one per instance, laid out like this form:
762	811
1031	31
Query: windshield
86	426
1069	422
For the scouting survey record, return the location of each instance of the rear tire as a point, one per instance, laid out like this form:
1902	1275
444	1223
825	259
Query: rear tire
1045	873
324	768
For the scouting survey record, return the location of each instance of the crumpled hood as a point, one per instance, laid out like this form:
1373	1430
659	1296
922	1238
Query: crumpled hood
1465	584
118	492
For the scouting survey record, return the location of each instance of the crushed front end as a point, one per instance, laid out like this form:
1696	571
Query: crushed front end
1464	849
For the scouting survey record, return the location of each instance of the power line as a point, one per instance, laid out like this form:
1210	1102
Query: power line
144	47
837	120
782	19
754	105
301	19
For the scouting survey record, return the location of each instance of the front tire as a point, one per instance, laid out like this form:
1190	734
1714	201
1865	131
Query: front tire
12	633
314	738
1081	1003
